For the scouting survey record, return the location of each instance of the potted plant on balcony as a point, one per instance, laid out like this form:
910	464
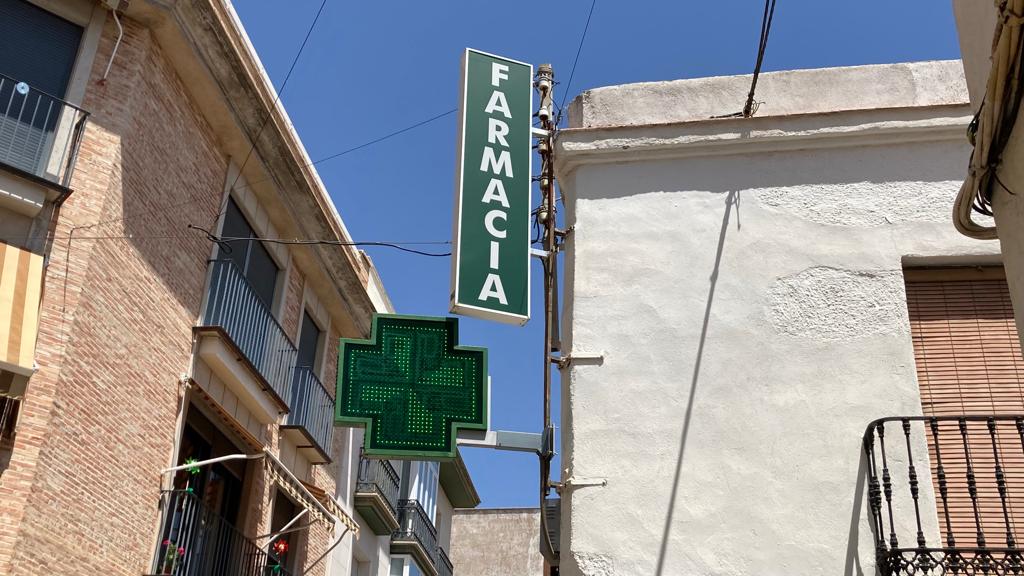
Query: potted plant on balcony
170	557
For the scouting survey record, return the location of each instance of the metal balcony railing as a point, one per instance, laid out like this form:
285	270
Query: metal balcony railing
312	408
234	306
415	525
946	493
379	476
39	133
195	541
444	565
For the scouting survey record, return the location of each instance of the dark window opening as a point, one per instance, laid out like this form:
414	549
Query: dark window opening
284	549
251	257
37	55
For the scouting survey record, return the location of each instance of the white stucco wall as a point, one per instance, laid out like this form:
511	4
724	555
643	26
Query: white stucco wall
743	281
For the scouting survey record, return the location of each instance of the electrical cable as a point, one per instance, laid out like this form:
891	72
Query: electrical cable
222	240
989	131
273	107
197	198
575	61
364	145
750	108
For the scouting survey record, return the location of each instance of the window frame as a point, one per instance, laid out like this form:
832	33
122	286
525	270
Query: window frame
275	304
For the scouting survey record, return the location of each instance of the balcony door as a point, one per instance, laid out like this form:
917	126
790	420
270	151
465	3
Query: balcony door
250	256
37	54
425	487
305	363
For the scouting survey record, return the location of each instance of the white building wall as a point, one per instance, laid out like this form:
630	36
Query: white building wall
742	280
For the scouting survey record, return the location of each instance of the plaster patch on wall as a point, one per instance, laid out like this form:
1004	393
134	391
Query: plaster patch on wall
831	304
591	564
864	203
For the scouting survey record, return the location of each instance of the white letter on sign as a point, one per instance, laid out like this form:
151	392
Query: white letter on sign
489	223
495	191
497	103
493	289
498	72
496	132
495	251
503	163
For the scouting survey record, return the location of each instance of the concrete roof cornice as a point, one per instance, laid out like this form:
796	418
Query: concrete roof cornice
783	93
208	46
733	136
802	109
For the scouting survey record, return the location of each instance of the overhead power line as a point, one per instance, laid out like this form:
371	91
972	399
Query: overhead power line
365	144
225	241
750	108
273	107
198	197
575	61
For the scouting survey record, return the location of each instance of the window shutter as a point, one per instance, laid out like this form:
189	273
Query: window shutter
968	359
37	47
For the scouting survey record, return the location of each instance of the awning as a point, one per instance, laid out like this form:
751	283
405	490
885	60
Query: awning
329	514
21	281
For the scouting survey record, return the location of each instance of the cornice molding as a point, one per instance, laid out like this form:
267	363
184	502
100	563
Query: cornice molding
738	136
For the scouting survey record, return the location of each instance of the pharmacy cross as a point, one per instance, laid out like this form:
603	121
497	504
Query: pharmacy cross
412	387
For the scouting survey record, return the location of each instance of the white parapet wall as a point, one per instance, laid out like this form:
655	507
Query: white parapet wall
742	279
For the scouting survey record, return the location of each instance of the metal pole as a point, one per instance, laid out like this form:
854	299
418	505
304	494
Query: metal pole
544	83
214	461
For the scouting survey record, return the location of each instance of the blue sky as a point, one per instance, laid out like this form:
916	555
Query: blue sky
371	68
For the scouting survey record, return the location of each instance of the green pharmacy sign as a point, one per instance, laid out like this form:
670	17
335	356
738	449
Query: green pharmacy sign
412	386
491	224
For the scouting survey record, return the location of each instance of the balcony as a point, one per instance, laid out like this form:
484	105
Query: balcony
39	134
416	536
376	496
194	541
444	565
310	423
946	493
237	319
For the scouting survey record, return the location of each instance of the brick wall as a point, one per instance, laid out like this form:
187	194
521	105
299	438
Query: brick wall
98	421
291	313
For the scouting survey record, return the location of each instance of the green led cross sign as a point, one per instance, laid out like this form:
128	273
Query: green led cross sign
412	387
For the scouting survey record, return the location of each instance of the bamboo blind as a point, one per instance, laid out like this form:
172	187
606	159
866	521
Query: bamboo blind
968	359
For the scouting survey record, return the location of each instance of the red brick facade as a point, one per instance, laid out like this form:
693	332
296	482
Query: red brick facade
121	297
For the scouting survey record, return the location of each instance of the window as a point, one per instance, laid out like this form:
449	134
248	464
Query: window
284	548
404	566
37	54
309	343
36	47
425	489
965	342
252	258
968	359
305	364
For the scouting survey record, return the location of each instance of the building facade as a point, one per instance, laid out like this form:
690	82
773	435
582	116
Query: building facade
747	297
167	372
498	542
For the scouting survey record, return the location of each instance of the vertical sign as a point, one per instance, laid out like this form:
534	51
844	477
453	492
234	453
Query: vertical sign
491	235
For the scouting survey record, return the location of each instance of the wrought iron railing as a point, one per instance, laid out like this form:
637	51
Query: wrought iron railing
444	564
234	306
312	407
376	475
39	133
414	524
195	541
964	472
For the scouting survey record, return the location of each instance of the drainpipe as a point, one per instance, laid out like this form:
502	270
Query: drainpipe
117	44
